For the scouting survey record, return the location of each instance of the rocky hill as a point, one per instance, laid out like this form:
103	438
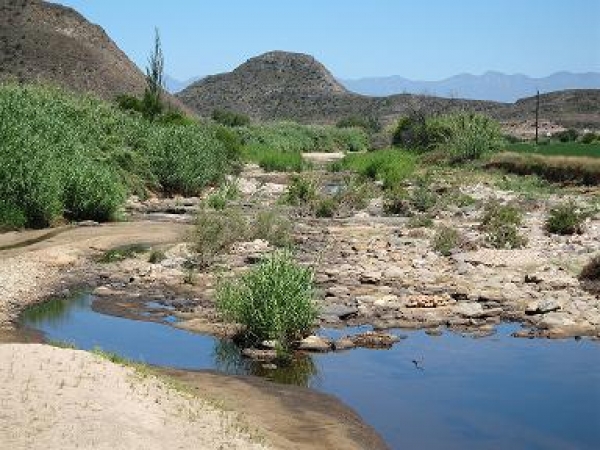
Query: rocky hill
280	85
46	42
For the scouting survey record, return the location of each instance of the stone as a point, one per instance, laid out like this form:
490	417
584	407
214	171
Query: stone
542	307
272	344
259	355
470	310
556	320
342	312
370	277
315	344
343	344
375	339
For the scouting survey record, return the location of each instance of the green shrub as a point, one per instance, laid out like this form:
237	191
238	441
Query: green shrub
396	202
157	256
370	124
354	194
216	231
272	301
275	161
569	135
445	240
300	191
325	207
423	198
419	132
389	166
566	219
230	118
273	226
122	253
11	217
420	221
501	226
589	138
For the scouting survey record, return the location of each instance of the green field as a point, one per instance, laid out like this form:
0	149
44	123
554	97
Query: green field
557	149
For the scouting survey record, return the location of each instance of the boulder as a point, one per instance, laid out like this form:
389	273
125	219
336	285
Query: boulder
315	344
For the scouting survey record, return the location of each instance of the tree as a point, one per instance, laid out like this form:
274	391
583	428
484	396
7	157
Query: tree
152	101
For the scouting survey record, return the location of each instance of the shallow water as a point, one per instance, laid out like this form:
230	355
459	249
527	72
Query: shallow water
447	392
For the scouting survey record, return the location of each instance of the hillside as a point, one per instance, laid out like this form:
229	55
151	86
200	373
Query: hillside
494	86
293	86
46	42
281	85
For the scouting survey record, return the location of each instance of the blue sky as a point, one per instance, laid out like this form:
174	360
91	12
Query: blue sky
419	39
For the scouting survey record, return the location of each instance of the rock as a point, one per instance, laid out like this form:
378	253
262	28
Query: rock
542	307
556	320
104	291
269	366
394	273
470	310
434	332
342	312
386	300
259	355
374	339
370	277
343	344
271	345
315	344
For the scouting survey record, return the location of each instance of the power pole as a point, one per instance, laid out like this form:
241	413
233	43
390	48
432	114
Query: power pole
537	119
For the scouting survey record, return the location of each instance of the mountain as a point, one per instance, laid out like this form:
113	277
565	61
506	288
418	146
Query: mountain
493	86
52	43
294	86
173	85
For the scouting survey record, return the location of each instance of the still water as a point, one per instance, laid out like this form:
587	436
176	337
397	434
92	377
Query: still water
448	392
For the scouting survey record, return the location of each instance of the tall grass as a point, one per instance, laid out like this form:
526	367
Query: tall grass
273	301
389	166
293	137
75	157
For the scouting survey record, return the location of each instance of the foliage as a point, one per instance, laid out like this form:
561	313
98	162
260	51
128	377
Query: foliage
227	191
273	226
369	124
589	138
300	191
122	253
445	240
420	221
417	131
216	232
586	147
230	118
389	166
76	157
326	207
273	300
152	104
272	160
423	198
396	202
157	256
569	135
292	137
501	226
556	169
566	219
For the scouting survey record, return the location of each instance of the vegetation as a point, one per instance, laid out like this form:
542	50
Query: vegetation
388	166
445	240
556	169
588	146
301	191
273	226
369	124
458	138
272	160
591	271
420	221
157	256
230	118
566	218
501	226
123	253
273	300
74	157
289	137
216	232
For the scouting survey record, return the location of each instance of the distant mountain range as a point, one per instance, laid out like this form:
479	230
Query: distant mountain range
494	86
174	85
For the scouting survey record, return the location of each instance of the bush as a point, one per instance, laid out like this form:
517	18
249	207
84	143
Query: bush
419	132
445	240
300	191
326	207
272	301
501	224
565	219
369	124
156	257
396	202
354	194
423	198
389	166
275	161
420	221
76	157
273	226
569	135
230	118
216	232
589	138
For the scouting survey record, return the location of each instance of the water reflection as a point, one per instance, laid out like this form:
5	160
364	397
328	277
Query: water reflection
300	371
57	311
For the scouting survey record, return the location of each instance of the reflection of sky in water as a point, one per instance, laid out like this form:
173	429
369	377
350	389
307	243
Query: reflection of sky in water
490	393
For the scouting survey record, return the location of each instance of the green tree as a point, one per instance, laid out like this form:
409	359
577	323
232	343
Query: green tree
152	101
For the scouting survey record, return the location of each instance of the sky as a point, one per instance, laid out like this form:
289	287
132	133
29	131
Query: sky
417	39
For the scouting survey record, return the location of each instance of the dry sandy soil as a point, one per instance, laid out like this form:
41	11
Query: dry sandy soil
65	399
